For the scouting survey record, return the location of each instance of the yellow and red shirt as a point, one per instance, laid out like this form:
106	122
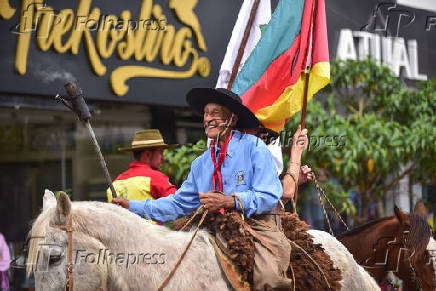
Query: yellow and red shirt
141	182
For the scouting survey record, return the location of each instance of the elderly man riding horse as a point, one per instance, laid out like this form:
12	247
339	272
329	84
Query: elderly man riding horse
238	165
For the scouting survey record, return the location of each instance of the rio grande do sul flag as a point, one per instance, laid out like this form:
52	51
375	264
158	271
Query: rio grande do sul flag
271	83
263	16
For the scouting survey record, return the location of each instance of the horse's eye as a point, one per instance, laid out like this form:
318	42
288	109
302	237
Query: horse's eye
54	259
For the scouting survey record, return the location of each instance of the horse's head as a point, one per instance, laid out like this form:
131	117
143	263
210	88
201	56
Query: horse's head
417	265
48	250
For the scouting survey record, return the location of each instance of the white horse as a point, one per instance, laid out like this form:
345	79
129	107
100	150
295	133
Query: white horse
114	249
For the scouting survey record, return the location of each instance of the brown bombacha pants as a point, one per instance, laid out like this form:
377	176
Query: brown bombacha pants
270	269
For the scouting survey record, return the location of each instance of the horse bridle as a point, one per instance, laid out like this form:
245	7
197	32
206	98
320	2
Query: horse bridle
412	268
69	270
401	244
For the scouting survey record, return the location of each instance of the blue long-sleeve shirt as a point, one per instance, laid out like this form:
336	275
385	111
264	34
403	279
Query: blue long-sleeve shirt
248	171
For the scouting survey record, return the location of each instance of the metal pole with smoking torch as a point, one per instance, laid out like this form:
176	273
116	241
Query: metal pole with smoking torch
77	104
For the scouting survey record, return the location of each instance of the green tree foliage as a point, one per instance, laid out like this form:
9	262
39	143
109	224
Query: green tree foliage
371	126
178	161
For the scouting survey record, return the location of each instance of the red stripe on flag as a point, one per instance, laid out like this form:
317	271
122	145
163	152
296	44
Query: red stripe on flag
278	76
272	83
320	52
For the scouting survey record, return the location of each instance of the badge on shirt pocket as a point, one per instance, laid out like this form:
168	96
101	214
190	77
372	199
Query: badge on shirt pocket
240	178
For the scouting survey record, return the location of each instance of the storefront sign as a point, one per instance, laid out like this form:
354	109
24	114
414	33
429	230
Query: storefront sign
400	37
154	51
389	51
144	40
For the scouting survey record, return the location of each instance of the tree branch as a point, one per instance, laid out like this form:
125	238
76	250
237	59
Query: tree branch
395	181
374	183
342	100
361	106
352	109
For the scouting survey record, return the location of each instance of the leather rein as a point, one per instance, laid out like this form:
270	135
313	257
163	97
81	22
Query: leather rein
69	270
401	244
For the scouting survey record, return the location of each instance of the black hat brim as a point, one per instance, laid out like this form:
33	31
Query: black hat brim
198	98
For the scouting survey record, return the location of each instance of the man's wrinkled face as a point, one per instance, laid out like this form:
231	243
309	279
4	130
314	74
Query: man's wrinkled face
214	119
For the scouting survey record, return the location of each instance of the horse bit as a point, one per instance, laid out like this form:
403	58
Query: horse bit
402	245
69	270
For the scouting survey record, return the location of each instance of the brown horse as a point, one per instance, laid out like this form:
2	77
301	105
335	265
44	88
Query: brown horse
402	244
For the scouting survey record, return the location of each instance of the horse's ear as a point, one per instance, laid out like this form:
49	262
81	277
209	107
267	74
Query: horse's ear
420	209
49	200
401	216
63	209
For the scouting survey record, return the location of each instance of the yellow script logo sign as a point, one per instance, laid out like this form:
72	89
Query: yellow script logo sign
145	39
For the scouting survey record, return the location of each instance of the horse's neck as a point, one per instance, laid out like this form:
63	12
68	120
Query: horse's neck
141	244
118	229
363	244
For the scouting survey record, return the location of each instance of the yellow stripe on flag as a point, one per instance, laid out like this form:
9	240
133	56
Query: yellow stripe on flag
291	100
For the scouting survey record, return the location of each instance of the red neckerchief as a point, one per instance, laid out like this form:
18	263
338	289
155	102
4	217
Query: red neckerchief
216	177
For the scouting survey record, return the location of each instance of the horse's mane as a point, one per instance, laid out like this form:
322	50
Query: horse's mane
417	239
419	235
363	227
35	237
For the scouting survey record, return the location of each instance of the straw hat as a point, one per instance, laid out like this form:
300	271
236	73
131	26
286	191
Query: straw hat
147	139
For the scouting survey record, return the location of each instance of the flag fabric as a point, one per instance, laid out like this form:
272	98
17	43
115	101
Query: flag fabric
271	83
263	16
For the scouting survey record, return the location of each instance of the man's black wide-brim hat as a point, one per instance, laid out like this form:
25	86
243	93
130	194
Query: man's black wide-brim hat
198	98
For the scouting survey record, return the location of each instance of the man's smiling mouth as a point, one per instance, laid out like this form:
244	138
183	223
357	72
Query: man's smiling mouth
210	125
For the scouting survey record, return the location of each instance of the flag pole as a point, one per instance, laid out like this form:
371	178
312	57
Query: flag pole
304	109
243	44
307	69
303	121
306	75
